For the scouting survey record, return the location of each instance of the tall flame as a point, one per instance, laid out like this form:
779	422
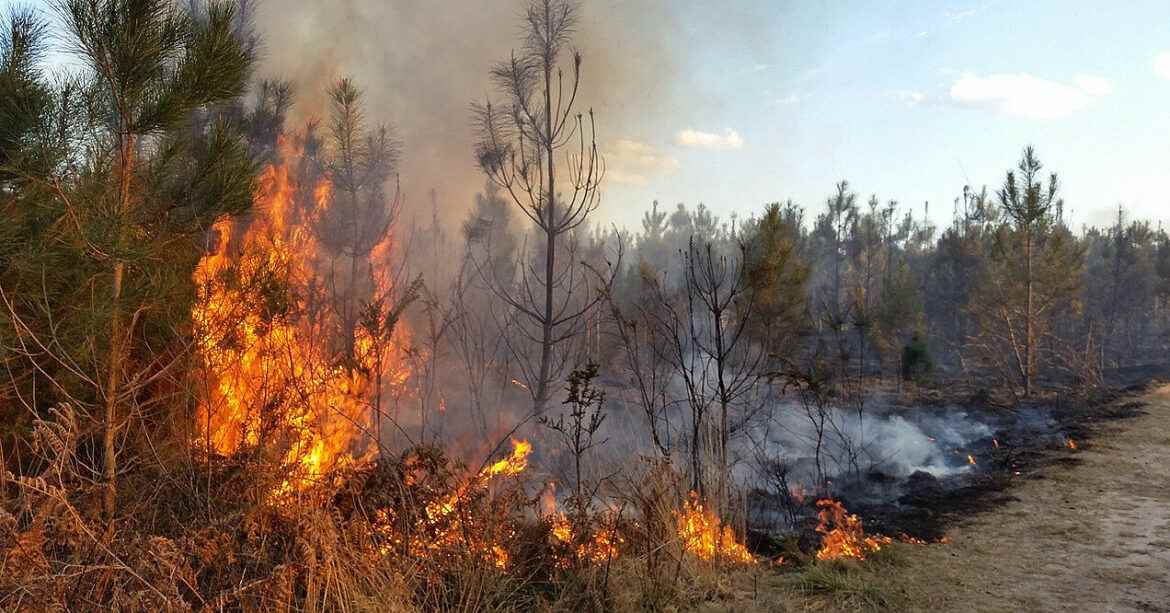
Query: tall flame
267	339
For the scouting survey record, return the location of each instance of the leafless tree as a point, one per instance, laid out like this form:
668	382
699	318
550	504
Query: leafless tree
479	325
519	142
698	330
643	350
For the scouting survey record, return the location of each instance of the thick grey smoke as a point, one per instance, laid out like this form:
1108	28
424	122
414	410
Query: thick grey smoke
421	63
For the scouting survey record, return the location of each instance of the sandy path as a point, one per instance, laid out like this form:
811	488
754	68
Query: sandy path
1092	535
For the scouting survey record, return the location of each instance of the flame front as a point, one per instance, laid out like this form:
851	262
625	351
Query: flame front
603	545
267	338
707	538
447	528
843	536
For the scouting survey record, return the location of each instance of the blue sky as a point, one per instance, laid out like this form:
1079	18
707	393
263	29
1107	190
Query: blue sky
739	103
909	100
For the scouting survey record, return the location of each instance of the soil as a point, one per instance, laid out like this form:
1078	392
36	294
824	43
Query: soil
1042	528
1086	532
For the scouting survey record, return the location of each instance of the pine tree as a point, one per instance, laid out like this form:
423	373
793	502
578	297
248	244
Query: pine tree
144	185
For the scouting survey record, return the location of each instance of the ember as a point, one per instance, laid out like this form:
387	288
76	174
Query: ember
910	540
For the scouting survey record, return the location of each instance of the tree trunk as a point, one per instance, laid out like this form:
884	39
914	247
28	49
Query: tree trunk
1029	317
546	342
117	335
112	390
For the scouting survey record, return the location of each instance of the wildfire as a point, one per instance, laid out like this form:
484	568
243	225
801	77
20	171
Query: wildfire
910	540
271	369
447	528
843	534
970	459
706	537
1071	444
514	464
602	546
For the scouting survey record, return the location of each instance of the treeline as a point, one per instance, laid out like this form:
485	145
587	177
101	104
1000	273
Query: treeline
1009	293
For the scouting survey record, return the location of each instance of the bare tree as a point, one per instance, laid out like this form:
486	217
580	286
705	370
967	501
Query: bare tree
518	146
644	347
578	430
699	329
478	330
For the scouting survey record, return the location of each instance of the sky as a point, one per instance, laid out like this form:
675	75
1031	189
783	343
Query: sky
911	100
735	104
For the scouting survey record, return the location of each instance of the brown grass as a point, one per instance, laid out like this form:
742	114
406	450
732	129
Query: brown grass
214	536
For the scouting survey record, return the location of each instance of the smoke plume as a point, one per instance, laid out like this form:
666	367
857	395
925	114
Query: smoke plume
421	63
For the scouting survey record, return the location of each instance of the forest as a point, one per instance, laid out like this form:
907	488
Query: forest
237	377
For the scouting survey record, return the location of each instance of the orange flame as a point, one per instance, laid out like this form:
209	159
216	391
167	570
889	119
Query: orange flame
448	528
843	534
970	459
514	464
602	546
706	537
911	540
1071	444
271	376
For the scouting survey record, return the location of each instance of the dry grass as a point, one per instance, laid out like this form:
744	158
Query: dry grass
214	536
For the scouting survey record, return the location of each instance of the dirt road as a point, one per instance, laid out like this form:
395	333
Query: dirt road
1088	535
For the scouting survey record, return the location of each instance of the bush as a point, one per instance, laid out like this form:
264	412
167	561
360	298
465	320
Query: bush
916	362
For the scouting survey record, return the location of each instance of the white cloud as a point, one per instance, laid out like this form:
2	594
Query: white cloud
1094	86
1162	64
730	139
1024	95
789	99
634	163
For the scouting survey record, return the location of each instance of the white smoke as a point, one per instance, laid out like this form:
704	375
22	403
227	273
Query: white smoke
879	440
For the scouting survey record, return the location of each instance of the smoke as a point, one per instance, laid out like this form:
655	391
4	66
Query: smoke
421	63
880	441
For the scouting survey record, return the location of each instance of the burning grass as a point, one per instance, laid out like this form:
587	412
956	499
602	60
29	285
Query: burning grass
419	531
843	536
706	537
